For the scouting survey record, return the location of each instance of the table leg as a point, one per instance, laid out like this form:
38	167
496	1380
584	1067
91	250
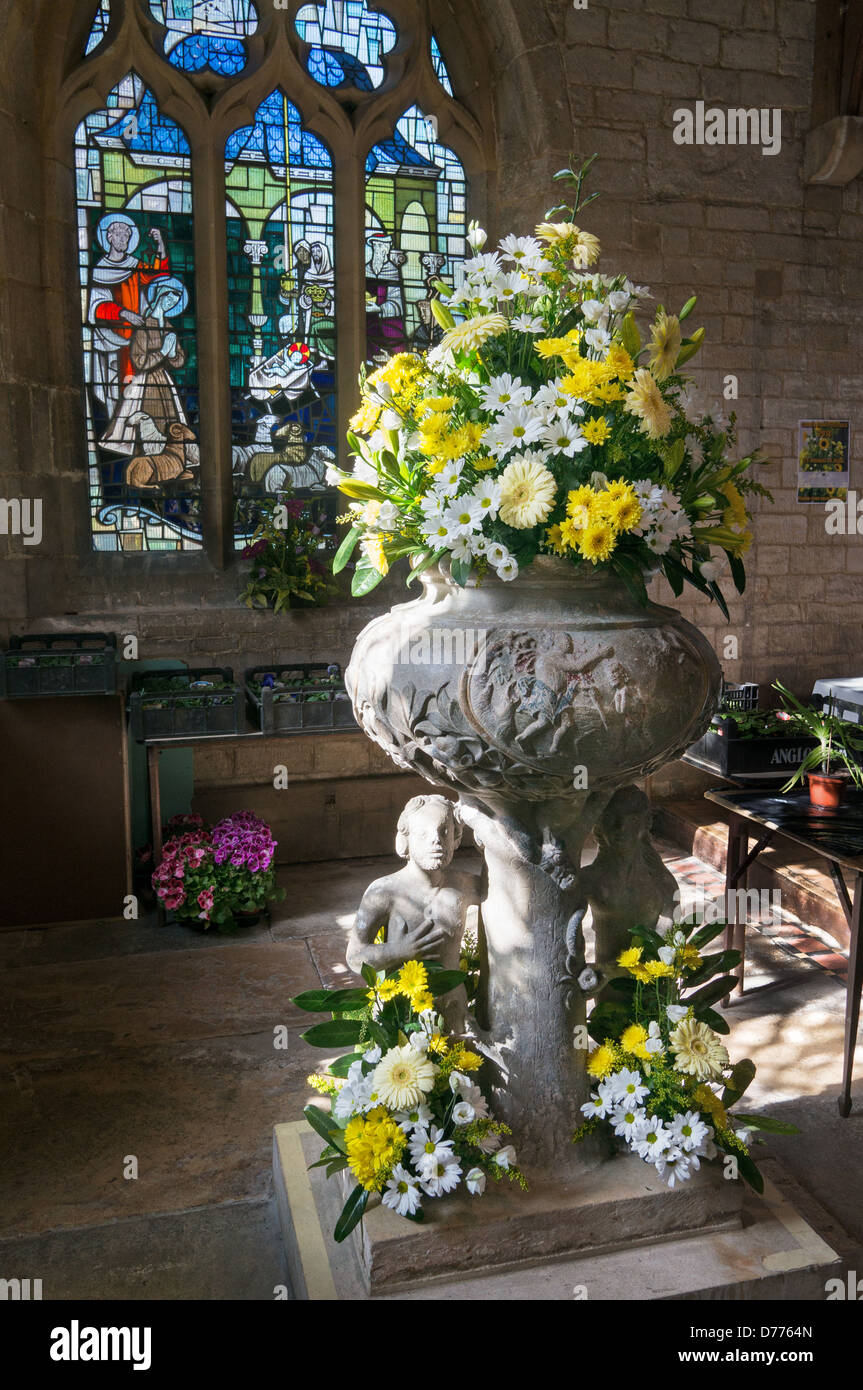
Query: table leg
852	996
155	816
735	931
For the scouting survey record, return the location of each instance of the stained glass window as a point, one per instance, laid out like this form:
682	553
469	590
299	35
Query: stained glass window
100	26
136	267
281	304
440	66
206	34
415	234
348	43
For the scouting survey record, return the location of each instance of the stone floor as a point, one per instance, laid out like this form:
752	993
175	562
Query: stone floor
125	1041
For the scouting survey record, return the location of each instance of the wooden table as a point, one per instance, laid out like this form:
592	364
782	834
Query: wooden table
836	835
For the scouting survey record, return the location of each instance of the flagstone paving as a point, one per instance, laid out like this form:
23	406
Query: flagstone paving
125	1041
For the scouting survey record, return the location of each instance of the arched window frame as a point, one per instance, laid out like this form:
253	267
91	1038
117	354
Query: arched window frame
209	109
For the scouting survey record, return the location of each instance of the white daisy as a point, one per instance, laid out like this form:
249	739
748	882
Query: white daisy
627	1120
600	1105
516	427
464	515
486	494
673	1165
438	534
564	437
401	1192
689	1130
651	1139
528	323
507	287
521	248
429	1146
504	392
417	1118
461	548
486	263
627	1088
440	1177
448	480
552	398
478	544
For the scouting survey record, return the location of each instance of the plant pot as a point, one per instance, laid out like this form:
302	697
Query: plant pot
536	701
825	791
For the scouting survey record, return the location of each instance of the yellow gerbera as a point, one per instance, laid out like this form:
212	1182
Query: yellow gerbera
527	494
597	541
664	344
645	400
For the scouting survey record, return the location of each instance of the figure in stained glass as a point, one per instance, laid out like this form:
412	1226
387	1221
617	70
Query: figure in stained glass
281	299
135	244
385	313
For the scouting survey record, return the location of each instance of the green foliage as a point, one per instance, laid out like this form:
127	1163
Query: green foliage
286	565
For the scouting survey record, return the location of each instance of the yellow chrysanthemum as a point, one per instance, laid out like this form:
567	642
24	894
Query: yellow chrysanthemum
698	1050
373	548
468	336
606	393
552	347
374	1144
709	1102
656	969
365	421
412	977
735	512
645	400
571	528
554	540
619	361
423	999
435	405
597	541
601	1062
586	250
438	1044
630	957
664	345
689	956
527	494
469	1061
633	1040
623	510
596	431
580	499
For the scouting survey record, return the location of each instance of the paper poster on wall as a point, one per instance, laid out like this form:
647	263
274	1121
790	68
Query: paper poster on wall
822	459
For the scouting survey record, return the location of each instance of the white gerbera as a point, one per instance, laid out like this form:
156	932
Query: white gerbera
402	1192
698	1051
471	334
403	1077
527	494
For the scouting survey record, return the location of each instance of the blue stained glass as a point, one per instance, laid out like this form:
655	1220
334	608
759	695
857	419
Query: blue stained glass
145	130
265	140
440	66
206	35
348	43
100	26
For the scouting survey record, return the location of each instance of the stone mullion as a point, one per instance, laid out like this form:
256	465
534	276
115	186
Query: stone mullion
349	197
217	500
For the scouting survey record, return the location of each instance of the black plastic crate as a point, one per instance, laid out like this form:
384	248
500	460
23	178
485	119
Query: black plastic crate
59	663
739	697
722	750
185	703
312	696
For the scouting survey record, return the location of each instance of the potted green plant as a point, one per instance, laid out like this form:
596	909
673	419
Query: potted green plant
835	746
222	877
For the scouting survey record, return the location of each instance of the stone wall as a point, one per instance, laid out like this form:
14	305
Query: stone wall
776	263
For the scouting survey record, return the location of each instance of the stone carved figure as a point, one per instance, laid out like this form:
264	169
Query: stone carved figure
422	907
627	885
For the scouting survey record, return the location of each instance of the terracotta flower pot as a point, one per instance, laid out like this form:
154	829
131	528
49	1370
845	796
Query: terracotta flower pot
825	791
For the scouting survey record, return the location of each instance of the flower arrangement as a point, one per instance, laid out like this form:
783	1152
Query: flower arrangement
212	876
286	565
543	424
665	1083
407	1119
